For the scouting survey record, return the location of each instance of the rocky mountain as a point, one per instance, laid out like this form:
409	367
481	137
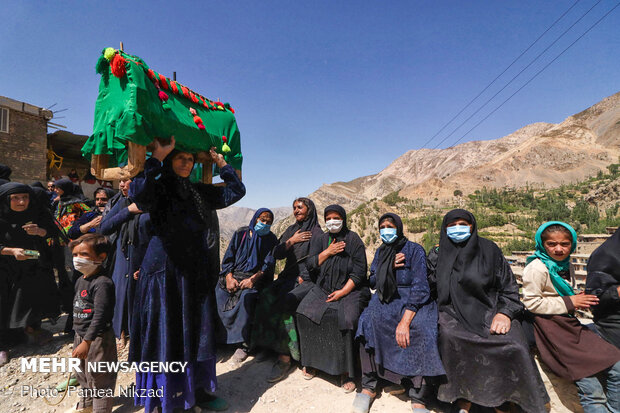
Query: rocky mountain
233	217
542	154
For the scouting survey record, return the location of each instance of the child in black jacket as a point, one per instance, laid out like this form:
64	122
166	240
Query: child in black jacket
93	308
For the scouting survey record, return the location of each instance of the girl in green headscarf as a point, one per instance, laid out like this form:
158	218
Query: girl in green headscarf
557	259
568	348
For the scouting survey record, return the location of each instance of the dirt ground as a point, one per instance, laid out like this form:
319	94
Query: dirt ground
243	386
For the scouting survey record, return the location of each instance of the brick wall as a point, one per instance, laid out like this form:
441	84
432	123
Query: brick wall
24	148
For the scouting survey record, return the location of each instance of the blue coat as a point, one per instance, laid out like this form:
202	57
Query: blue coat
377	324
173	316
247	253
126	260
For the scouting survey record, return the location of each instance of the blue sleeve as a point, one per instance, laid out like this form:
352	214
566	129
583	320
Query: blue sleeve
269	263
420	291
75	232
223	196
143	188
113	221
228	262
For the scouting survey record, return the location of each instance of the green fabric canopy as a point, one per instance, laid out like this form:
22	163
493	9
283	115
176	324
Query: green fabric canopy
129	108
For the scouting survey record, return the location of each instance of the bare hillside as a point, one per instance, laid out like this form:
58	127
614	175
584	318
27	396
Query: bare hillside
543	154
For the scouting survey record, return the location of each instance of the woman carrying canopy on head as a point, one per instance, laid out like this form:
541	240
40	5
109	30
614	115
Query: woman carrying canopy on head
481	341
398	330
247	268
274	323
327	316
571	350
173	316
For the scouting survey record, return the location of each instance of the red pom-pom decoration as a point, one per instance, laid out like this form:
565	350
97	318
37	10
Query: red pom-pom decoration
224	139
150	74
185	91
162	82
232	110
201	126
197	120
163	96
174	87
193	98
118	66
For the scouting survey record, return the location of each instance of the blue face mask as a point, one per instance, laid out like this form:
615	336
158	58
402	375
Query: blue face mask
388	235
261	228
459	233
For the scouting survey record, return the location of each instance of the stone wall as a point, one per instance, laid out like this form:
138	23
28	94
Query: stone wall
24	148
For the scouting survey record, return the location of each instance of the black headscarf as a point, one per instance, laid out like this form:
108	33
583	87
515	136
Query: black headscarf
604	266
312	221
335	270
38	184
71	191
343	231
14	217
4	181
296	256
386	277
466	281
184	188
5	172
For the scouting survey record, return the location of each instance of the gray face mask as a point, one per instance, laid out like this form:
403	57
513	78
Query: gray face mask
334	225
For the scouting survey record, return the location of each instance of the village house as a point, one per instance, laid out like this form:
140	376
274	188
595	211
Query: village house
28	149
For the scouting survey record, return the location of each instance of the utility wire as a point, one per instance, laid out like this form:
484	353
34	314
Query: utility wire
518	74
498	76
537	73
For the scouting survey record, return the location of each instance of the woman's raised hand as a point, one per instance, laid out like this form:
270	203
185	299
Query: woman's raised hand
399	260
336	248
161	151
217	158
301	236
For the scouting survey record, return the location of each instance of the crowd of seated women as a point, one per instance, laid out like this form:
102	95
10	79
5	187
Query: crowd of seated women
449	326
446	325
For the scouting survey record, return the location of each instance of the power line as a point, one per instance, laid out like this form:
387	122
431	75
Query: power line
518	74
537	73
498	76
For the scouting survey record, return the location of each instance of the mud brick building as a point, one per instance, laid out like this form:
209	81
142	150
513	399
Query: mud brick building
32	153
23	139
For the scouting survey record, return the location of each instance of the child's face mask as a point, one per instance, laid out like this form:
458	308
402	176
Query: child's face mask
85	266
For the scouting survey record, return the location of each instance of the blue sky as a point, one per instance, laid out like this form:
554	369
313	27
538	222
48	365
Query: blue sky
324	91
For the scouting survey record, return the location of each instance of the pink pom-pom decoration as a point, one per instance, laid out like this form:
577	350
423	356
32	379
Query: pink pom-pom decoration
201	126
163	96
192	111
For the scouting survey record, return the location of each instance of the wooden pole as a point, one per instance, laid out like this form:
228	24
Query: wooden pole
122	48
174	76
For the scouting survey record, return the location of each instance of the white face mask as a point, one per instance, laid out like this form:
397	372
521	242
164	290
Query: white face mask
85	266
334	225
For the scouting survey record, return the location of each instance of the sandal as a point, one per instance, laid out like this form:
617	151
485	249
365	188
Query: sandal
347	385
308	373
